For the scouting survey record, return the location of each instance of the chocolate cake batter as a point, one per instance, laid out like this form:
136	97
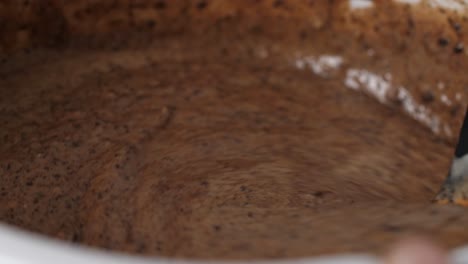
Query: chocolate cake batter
231	130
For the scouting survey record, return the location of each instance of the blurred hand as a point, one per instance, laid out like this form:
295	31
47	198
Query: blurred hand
416	250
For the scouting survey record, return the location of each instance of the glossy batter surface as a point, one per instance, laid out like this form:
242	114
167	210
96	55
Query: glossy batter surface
220	147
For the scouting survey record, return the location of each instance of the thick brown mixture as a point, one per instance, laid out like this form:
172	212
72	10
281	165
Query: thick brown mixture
213	144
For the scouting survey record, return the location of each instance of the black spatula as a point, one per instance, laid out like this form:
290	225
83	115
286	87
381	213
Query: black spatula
455	187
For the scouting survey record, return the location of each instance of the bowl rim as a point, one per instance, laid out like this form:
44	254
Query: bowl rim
23	247
18	246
